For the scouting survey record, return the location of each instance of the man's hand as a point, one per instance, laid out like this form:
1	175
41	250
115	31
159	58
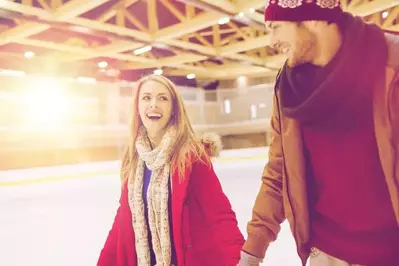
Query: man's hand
248	260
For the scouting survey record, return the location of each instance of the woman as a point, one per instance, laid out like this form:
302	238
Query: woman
172	207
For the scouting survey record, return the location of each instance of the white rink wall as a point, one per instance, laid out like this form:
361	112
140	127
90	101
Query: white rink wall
52	173
237	153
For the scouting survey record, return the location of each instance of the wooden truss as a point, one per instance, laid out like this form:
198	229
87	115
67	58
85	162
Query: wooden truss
213	39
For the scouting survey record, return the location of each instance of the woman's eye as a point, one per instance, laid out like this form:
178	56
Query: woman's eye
146	98
163	98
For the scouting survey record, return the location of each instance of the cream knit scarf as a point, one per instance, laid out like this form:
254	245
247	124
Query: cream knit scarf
158	161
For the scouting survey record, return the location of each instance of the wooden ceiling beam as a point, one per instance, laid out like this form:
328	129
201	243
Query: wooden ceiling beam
172	9
69	10
81	50
152	16
169	36
111	12
170	61
197	23
369	8
226	71
393	14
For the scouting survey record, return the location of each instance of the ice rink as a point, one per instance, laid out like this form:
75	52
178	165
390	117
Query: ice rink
60	216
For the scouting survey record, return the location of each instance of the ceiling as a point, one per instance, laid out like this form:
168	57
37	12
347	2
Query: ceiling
204	39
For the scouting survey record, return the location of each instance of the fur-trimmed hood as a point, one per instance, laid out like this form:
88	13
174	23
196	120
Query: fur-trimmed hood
212	143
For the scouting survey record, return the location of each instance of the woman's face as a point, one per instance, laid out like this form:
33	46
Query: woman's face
155	107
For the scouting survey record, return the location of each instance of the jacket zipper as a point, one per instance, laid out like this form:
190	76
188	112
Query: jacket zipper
395	138
390	112
285	171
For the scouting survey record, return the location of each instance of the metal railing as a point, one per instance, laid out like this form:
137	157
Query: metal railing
98	113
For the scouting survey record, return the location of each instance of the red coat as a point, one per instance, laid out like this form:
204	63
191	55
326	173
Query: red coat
205	228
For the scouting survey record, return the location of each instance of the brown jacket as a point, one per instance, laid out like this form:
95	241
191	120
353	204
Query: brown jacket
283	192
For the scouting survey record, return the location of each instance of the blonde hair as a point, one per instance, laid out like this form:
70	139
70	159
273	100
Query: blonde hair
186	148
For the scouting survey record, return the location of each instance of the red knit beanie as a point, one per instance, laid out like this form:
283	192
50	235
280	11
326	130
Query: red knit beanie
302	10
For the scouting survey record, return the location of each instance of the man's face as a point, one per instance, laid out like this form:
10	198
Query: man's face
294	40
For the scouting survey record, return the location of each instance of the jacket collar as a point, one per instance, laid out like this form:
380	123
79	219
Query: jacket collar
393	50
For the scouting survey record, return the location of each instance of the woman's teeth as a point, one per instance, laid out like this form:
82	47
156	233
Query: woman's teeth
154	116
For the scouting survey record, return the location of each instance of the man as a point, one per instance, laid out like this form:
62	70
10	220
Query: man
333	167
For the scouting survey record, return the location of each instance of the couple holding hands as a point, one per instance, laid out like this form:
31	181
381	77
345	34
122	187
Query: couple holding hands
333	168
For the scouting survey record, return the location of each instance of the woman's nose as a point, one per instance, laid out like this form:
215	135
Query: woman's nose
153	103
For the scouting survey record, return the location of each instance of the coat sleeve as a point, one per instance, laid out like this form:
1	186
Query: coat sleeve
268	210
217	210
108	253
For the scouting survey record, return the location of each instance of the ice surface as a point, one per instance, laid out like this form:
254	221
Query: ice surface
65	223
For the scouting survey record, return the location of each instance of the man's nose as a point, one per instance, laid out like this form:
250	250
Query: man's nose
273	41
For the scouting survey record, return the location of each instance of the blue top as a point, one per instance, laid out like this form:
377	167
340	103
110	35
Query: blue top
146	183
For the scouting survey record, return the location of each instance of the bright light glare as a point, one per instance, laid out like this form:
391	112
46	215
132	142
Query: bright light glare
158	71
227	106
102	64
142	50
46	104
29	54
11	73
254	111
385	14
224	20
86	80
190	76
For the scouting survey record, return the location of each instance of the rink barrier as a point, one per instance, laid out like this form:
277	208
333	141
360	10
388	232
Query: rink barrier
56	178
91	174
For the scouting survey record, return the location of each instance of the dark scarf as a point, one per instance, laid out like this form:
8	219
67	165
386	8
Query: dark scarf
335	95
